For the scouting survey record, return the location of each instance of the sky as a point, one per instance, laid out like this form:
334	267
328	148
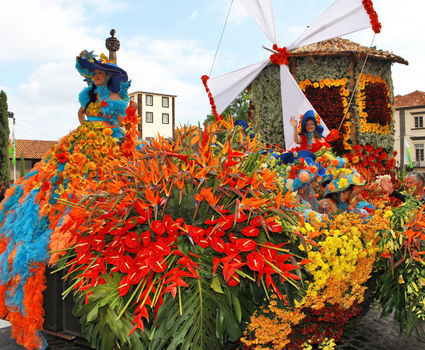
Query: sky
166	46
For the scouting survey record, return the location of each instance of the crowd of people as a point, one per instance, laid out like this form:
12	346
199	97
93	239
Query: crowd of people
336	187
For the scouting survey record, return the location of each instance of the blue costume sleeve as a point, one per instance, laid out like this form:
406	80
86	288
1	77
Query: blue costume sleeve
83	97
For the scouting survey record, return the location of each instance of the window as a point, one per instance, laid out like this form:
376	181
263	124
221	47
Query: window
149	117
165	118
419	121
419	151
165	102
149	100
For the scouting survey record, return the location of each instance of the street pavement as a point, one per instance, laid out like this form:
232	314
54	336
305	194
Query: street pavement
370	333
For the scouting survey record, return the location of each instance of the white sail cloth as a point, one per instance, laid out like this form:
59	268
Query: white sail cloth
341	18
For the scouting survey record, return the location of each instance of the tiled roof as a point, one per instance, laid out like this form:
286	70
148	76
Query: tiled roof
344	47
33	149
415	98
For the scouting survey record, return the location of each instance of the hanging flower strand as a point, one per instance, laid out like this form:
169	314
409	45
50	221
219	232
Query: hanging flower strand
204	79
374	21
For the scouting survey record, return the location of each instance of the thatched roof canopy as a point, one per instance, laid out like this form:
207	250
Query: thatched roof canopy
344	47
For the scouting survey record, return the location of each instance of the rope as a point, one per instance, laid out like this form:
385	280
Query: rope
357	82
221	37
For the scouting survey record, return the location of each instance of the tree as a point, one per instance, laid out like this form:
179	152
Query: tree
238	109
4	139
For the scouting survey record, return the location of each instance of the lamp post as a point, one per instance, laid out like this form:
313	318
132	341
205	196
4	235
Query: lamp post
11	115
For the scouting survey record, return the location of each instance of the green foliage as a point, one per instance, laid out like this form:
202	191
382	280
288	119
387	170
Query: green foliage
22	165
238	109
201	318
4	139
267	102
98	318
399	287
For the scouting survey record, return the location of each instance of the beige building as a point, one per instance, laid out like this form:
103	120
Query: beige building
410	123
157	113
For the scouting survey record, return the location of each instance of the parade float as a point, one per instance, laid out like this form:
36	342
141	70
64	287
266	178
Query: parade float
205	241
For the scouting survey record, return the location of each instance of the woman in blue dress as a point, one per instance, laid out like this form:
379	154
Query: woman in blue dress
34	216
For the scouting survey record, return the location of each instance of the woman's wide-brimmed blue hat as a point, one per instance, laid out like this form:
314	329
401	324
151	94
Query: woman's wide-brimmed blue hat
307	116
87	63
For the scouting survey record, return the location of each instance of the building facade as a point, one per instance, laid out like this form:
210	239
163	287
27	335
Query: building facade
157	113
410	123
30	152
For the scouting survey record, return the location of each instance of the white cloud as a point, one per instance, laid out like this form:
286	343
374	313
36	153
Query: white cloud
193	15
43	30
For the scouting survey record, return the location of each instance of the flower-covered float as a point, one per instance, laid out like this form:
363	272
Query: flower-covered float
213	240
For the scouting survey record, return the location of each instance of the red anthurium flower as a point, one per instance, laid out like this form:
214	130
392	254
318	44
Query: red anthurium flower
217	244
250	231
211	222
226	222
203	242
113	258
245	244
83	245
230	248
124	286
146	238
83	257
142	266
233	281
158	227
134	276
256	221
160	249
274	227
242	217
132	240
268	253
125	263
157	263
255	261
195	231
232	237
98	243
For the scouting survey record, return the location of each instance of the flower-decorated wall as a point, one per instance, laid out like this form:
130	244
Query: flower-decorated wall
328	80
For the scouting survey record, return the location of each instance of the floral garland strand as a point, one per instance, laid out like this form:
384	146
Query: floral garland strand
204	79
374	122
333	112
374	21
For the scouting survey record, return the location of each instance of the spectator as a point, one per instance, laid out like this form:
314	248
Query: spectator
414	182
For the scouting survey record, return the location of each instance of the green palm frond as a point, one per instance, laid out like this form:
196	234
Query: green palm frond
199	318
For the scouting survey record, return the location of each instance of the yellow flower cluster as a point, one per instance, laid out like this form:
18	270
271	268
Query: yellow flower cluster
344	93
343	260
94	108
340	257
365	126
